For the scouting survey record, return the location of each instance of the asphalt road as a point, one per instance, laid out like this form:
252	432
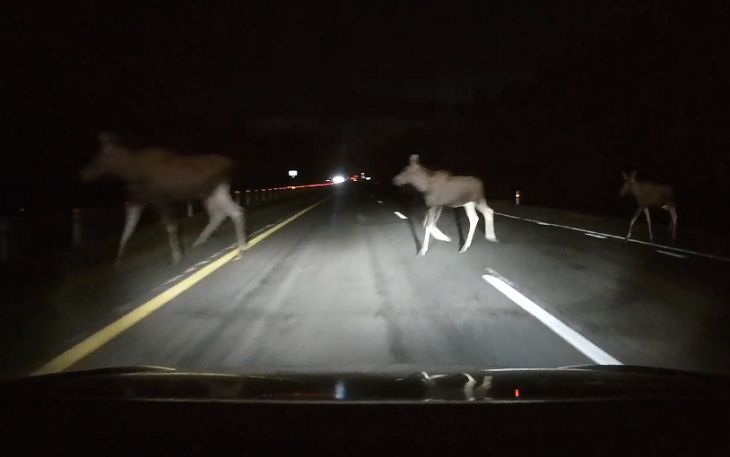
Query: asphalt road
341	288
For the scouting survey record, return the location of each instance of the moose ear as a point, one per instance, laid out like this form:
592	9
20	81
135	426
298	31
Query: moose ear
625	176
414	159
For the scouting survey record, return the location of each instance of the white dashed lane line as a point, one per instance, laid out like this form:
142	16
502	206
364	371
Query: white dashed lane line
572	337
672	254
399	214
602	235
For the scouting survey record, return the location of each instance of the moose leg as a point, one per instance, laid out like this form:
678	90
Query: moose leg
488	214
424	245
435	231
633	220
673	222
432	211
437	214
648	222
237	217
215	217
439	235
427	236
130	223
219	205
471	213
168	221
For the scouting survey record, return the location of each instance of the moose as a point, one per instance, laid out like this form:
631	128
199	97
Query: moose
160	178
440	188
649	195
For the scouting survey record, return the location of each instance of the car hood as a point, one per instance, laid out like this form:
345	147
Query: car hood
575	383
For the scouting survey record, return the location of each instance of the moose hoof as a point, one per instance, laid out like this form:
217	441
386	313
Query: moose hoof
493	239
422	252
463	250
239	252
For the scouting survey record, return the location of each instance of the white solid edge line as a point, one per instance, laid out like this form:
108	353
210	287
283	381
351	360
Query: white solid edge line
673	254
572	337
616	237
399	214
600	237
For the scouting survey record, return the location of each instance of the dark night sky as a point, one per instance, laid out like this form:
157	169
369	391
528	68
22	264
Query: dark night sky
516	92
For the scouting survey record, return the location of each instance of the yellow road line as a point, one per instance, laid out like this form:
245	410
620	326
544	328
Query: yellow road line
111	331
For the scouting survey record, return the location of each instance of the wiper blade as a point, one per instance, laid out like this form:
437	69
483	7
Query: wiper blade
575	383
638	369
116	370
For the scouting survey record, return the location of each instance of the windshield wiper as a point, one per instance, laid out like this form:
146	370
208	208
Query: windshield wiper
587	382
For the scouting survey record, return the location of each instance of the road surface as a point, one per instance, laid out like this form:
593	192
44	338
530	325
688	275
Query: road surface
341	288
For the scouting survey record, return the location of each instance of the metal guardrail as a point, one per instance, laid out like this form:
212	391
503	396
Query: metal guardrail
18	233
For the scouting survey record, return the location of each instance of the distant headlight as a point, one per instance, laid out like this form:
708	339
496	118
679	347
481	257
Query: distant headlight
338	179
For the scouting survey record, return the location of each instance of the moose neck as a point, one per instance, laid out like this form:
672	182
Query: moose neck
128	166
422	180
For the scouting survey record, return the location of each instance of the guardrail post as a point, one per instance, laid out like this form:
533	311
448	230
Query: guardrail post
76	226
237	196
190	209
248	197
517	197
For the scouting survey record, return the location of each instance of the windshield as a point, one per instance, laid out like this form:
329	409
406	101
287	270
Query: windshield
262	187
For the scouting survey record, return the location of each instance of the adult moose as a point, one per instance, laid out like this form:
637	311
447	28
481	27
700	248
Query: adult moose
649	195
160	178
441	188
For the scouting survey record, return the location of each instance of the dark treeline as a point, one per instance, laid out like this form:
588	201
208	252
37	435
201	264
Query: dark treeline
629	85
